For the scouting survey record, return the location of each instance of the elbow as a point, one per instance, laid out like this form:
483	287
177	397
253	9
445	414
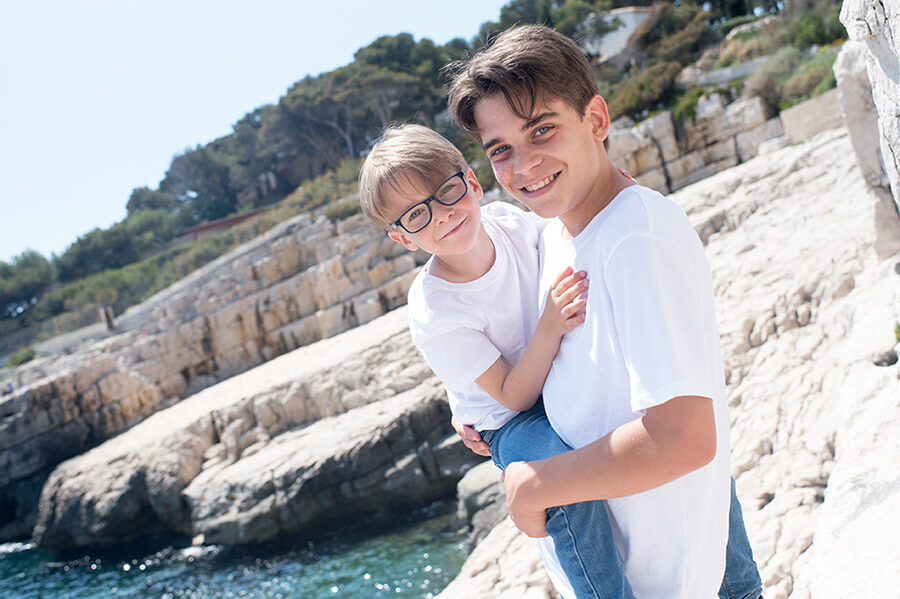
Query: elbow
698	446
703	451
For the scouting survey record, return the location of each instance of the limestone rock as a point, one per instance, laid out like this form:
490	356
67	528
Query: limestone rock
877	24
482	502
858	108
302	281
349	423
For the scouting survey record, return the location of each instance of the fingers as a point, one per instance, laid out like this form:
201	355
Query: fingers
471	438
565	273
572	292
478	447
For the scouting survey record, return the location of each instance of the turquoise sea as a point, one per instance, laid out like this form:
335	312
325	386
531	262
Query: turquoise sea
412	555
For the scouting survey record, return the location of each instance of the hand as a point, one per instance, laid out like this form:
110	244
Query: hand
530	518
564	309
471	438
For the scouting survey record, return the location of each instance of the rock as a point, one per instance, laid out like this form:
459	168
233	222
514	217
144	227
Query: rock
302	281
394	453
877	25
351	422
505	565
858	108
482	502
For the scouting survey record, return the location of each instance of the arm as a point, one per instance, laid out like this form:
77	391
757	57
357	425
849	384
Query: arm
517	388
669	441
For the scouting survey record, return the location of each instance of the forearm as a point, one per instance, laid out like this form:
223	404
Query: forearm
524	381
670	441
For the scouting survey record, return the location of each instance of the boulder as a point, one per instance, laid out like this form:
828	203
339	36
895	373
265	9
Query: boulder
350	424
877	25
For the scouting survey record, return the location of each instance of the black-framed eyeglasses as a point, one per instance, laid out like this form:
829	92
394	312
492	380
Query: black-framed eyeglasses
417	216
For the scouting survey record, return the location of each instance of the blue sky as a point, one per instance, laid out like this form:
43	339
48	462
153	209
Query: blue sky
97	96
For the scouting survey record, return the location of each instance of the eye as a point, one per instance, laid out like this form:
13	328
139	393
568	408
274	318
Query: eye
542	130
498	150
416	213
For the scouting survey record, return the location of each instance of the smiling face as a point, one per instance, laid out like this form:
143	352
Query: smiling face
553	162
453	230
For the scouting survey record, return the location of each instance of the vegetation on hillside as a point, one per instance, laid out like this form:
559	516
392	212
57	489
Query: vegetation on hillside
303	152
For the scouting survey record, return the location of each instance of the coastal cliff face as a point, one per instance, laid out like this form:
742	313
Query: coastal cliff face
303	281
342	427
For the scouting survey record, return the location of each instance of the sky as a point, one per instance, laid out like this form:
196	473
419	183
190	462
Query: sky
98	96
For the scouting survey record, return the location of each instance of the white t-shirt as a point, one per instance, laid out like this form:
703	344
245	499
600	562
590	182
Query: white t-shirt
650	334
462	328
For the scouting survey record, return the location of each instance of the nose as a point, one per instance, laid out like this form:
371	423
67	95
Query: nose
440	212
525	159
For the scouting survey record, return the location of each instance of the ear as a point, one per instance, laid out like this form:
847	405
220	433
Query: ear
474	185
598	114
401	238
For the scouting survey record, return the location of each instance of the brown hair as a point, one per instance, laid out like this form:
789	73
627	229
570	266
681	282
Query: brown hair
410	155
527	65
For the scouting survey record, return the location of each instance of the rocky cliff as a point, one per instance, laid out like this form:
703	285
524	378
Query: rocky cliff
344	426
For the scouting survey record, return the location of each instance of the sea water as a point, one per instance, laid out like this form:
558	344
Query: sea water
412	555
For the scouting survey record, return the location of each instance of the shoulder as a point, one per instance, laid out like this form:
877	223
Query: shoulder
511	218
643	212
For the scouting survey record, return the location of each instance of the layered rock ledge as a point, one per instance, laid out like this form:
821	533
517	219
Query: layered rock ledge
346	426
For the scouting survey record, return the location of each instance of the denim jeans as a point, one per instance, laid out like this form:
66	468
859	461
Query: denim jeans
582	532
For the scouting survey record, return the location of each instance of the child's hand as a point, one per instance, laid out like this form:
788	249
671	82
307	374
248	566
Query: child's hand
566	301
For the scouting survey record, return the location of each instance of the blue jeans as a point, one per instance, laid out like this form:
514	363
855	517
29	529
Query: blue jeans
582	532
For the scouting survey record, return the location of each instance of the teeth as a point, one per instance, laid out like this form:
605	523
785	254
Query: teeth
540	184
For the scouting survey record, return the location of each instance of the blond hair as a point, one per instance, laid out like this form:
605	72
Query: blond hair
404	156
527	65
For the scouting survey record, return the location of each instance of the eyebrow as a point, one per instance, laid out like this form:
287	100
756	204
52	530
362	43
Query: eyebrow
528	125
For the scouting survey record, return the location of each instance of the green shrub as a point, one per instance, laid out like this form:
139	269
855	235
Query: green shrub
813	76
808	30
686	107
766	81
735	22
645	91
897	332
342	209
19	357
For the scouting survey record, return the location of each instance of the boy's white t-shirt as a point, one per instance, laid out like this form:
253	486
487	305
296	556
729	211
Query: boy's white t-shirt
462	328
650	334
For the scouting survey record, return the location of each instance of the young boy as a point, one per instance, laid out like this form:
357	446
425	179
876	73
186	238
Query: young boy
638	389
473	310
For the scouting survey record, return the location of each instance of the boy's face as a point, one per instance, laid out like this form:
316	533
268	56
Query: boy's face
551	161
453	230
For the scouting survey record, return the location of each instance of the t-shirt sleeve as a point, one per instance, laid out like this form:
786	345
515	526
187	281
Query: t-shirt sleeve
657	291
459	356
451	340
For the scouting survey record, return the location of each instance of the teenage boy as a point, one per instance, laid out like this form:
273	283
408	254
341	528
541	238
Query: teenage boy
638	390
473	313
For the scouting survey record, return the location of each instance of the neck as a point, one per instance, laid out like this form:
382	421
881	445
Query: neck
468	266
609	183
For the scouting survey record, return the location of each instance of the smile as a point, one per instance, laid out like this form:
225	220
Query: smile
541	184
454	229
